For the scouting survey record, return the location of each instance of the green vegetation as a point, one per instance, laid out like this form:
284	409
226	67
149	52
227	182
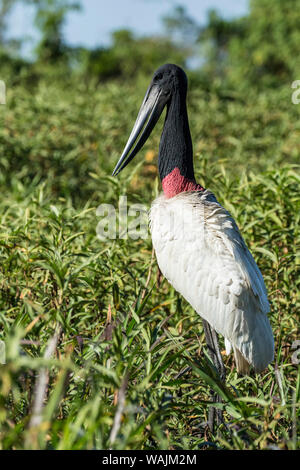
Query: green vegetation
123	339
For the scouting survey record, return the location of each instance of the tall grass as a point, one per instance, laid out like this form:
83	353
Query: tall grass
129	368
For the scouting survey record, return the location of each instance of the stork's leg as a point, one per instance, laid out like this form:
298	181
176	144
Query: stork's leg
216	357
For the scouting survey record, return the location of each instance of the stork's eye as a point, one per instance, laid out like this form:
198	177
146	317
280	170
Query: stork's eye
158	77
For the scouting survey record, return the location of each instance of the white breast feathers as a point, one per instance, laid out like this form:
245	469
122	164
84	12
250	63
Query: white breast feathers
201	252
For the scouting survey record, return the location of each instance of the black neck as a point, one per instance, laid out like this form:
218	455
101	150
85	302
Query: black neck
175	148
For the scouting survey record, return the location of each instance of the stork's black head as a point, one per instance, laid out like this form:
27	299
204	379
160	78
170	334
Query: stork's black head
167	80
170	78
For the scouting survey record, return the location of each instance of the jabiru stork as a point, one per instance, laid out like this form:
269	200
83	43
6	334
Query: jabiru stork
198	246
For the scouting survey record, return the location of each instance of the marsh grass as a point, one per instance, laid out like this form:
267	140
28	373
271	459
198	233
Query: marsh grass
130	368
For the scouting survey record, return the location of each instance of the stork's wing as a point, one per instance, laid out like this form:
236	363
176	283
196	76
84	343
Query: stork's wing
201	252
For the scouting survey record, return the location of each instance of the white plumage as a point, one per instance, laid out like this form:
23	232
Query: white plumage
201	252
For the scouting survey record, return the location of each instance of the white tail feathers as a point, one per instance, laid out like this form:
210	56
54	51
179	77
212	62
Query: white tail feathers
242	365
228	347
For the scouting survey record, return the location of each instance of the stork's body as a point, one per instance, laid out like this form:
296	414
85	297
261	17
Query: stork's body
198	246
200	251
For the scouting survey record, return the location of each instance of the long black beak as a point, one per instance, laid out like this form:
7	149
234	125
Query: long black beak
149	113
